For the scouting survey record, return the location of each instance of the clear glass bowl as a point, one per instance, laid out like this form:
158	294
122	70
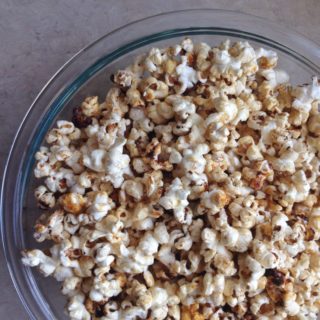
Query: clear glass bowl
88	73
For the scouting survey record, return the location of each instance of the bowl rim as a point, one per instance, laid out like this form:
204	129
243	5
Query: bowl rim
43	91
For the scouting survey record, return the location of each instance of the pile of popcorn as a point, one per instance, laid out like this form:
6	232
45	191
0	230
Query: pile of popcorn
190	192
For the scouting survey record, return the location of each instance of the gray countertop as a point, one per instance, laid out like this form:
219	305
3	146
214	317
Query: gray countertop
38	36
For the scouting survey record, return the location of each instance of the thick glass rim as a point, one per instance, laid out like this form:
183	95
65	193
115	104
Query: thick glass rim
18	186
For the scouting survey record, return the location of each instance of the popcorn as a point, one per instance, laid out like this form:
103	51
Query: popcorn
123	78
90	107
153	60
140	121
161	233
193	160
290	305
71	285
152	88
63	134
236	239
275	77
212	202
77	309
176	199
267	58
181	106
257	302
35	258
213	284
74	162
160	112
133	188
73	202
306	95
45	199
117	164
110	227
265	255
223	263
134	261
187	75
190	192
202	52
175	156
101	205
60	180
104	259
52	228
104	289
137	141
253	271
159	303
148	244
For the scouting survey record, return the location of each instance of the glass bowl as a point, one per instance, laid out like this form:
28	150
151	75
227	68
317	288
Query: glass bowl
88	73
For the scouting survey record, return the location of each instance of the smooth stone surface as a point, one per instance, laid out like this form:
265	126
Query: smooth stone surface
38	36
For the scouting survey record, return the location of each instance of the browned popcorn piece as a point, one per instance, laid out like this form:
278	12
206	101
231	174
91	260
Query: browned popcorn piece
73	202
79	119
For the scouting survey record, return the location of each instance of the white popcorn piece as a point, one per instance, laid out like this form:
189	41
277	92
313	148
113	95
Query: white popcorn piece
256	272
101	205
160	112
71	286
187	75
153	60
37	258
213	284
104	259
151	88
117	163
290	305
62	273
193	160
133	188
187	45
237	240
266	257
306	95
176	199
181	106
60	180
175	156
161	233
45	199
159	302
77	309
148	244
65	127
124	78
104	289
140	121
212	201
52	228
275	77
134	261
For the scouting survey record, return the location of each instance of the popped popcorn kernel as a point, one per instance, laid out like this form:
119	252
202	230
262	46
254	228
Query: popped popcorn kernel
73	202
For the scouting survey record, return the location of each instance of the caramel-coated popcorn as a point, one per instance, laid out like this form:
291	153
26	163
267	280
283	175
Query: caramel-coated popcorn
191	192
